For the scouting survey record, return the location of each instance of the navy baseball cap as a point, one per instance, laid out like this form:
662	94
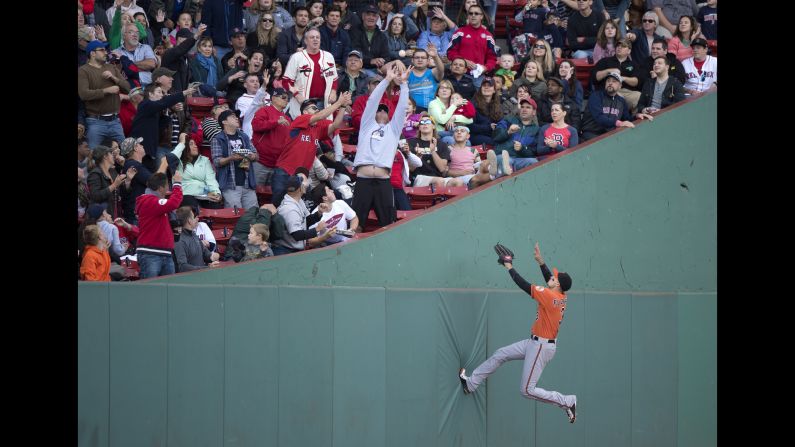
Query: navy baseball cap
370	8
235	31
294	183
307	103
563	278
94	44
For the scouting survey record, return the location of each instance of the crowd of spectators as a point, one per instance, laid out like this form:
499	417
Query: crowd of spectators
417	90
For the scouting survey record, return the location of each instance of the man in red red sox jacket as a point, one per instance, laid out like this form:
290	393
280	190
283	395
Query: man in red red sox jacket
156	240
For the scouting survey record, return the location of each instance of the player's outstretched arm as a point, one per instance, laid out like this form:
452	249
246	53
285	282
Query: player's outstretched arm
540	260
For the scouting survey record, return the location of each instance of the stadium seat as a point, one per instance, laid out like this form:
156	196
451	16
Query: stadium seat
217	219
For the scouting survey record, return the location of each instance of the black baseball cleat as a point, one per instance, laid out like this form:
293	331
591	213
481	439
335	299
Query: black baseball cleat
463	378
571	412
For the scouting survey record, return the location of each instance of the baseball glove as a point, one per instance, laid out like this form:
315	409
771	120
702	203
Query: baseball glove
505	254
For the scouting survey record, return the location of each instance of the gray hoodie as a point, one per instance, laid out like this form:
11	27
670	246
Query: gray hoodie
378	142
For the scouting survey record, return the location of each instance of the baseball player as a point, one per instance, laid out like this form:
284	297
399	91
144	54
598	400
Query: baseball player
539	349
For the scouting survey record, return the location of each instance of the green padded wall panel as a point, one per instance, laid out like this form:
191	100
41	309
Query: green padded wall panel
138	366
698	370
93	366
251	379
195	365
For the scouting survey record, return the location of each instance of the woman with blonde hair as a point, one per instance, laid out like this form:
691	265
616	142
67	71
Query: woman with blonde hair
442	110
264	36
533	77
542	53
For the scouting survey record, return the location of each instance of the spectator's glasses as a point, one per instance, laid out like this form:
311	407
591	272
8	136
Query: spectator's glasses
426	121
265	19
648	21
309	108
539	46
475	13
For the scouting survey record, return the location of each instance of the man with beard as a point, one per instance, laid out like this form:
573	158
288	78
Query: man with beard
292	38
99	85
606	109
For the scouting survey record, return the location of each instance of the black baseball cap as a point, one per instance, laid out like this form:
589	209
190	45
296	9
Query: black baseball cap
383	108
235	31
700	42
370	8
294	183
563	278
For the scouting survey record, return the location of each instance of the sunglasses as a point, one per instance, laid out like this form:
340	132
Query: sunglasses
539	46
267	20
648	21
426	122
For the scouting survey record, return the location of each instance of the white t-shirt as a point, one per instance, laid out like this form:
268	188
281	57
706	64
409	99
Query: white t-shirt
338	218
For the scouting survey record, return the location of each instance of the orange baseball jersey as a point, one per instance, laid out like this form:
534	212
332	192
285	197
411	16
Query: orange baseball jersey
549	315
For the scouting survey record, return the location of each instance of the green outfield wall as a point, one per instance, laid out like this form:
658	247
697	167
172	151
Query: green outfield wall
358	345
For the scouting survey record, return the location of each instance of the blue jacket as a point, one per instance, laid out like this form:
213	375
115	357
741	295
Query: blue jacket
442	42
339	46
222	173
640	47
221	16
603	111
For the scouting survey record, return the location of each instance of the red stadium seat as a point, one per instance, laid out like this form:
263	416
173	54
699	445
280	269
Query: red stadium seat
264	194
217	219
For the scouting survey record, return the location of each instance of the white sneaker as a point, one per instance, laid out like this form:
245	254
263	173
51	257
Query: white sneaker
491	156
463	378
506	163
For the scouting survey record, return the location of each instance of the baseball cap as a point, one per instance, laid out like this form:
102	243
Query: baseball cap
235	31
307	103
370	8
136	91
95	210
564	84
626	43
163	71
699	41
128	145
294	183
356	53
529	101
225	114
94	44
563	278
487	80
184	32
383	108
615	75
280	91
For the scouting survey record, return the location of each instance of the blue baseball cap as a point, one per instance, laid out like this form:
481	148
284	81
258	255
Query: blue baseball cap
94	44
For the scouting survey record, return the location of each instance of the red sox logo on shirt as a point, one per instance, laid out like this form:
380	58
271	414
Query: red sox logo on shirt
334	220
306	70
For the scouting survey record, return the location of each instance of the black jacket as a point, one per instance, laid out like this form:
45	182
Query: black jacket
286	45
176	59
675	68
146	123
466	86
672	93
627	68
370	50
344	84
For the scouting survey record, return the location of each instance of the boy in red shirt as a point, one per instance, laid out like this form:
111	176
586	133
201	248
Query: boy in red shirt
537	350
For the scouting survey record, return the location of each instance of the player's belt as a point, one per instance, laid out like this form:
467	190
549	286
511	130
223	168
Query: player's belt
542	339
